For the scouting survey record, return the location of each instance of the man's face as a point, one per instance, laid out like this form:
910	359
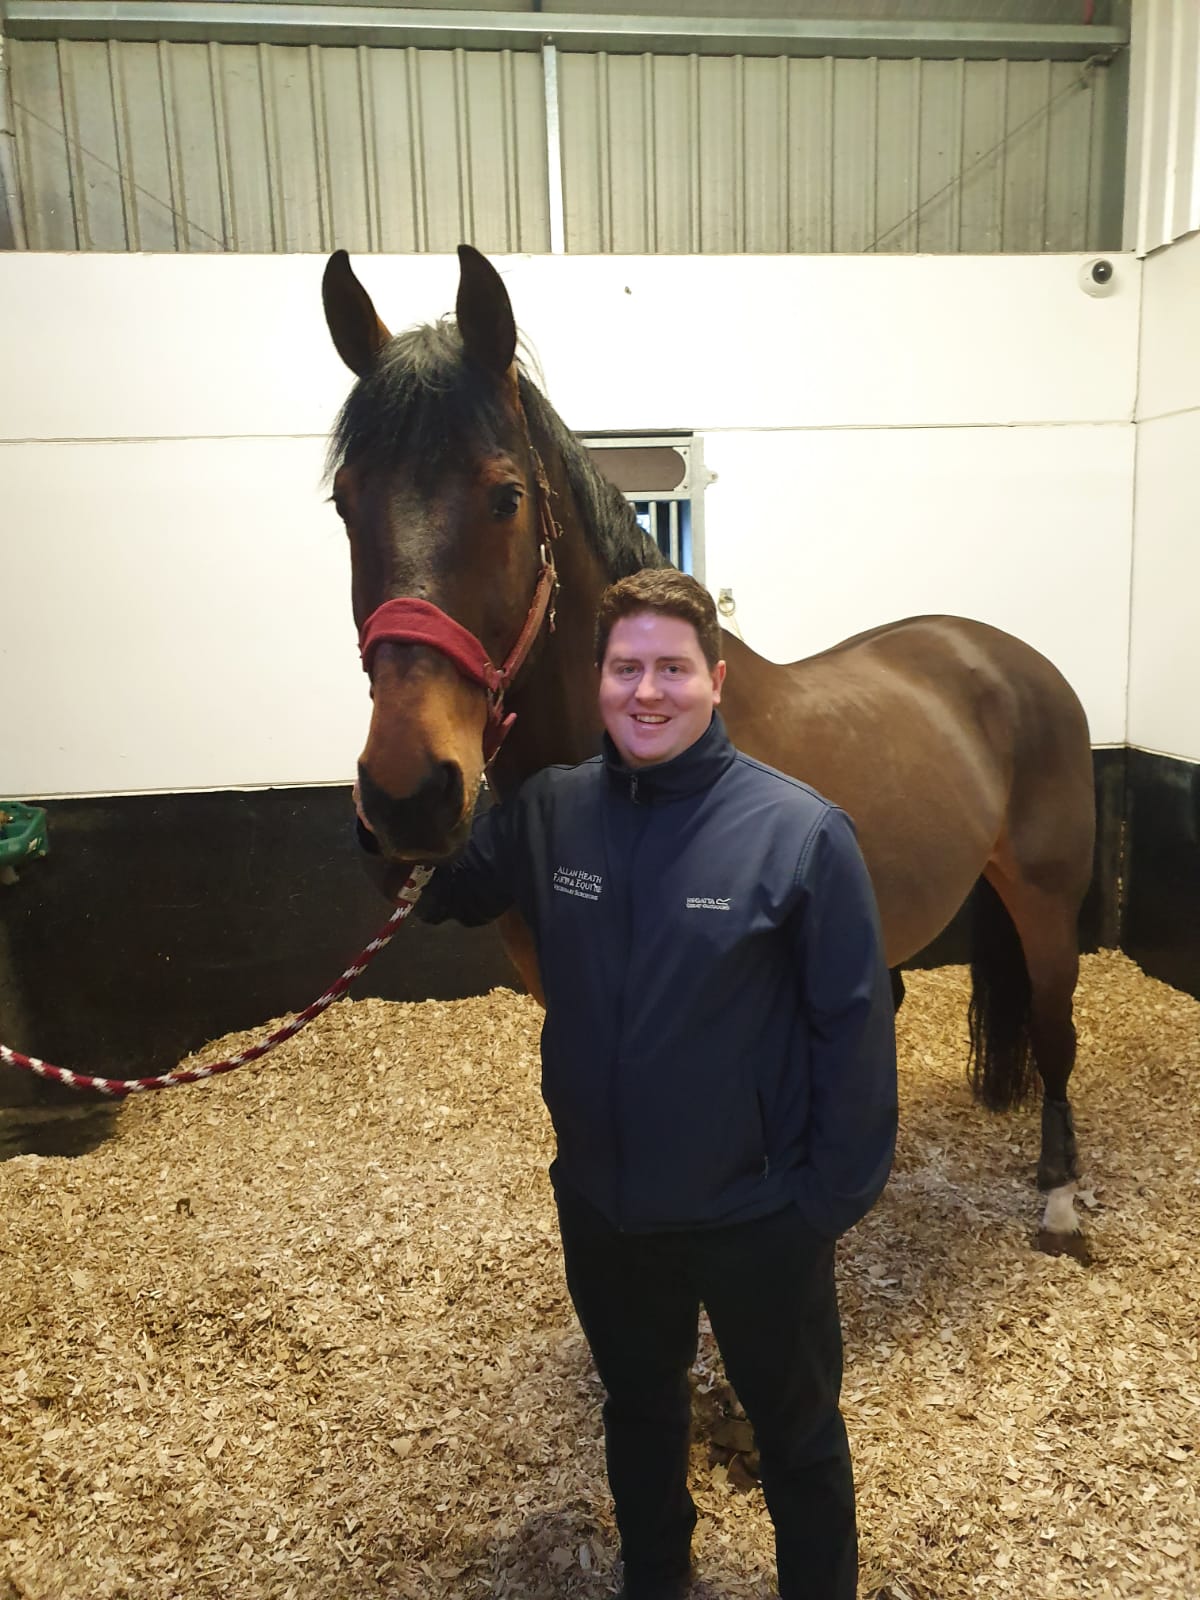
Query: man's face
657	692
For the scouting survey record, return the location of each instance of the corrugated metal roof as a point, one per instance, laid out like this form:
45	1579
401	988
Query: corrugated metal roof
126	146
662	153
138	146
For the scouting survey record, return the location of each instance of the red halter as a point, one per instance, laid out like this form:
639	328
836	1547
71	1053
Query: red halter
420	622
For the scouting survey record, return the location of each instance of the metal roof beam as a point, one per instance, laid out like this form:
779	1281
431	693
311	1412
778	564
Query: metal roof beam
12	221
273	22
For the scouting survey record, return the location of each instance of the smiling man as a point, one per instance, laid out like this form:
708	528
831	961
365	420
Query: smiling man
718	1060
657	689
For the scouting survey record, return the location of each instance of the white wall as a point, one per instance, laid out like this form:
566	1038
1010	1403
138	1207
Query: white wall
1162	156
890	435
1027	528
1164	669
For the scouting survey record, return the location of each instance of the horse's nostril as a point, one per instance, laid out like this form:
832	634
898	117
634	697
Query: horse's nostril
445	789
423	821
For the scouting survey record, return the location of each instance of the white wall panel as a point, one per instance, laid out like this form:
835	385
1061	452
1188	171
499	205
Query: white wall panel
147	347
1162	184
174	615
1164	709
171	346
1164	668
889	435
1169	368
822	534
825	342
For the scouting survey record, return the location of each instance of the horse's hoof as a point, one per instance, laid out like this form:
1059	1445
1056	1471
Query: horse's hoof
1074	1245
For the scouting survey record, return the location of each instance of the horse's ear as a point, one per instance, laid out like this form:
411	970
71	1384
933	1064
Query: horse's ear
484	312
358	334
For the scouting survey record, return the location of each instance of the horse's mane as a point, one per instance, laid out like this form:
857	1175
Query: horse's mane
424	405
608	518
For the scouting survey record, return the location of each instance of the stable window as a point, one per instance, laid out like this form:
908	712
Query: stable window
663	477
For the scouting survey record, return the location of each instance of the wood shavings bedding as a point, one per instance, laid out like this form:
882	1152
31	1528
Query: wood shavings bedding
301	1333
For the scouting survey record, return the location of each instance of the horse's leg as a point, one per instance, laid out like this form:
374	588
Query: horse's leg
897	978
518	947
1046	924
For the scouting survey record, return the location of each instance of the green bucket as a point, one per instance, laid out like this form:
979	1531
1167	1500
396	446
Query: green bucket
22	833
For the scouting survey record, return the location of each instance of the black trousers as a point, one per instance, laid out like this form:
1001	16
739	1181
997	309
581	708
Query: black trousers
771	1298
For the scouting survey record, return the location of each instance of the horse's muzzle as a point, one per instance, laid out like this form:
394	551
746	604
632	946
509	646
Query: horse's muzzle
431	824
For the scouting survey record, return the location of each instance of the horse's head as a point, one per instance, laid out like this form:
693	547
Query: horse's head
445	505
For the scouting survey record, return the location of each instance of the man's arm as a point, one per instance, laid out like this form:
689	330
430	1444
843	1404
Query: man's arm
847	1000
476	887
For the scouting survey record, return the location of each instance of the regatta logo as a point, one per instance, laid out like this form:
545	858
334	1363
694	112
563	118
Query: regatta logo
575	880
705	902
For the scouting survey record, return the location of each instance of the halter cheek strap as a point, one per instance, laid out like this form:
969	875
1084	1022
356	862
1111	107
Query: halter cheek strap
408	621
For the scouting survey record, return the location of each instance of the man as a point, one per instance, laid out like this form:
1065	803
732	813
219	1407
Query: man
719	1064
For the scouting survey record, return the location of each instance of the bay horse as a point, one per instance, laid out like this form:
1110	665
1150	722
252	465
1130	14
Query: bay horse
481	532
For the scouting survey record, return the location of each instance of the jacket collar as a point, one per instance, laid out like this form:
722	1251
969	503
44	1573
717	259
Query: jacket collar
700	765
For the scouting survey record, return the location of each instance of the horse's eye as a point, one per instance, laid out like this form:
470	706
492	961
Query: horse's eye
506	501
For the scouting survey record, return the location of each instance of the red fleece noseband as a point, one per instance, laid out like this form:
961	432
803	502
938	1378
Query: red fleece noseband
420	622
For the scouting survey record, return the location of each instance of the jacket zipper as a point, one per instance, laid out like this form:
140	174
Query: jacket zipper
618	1142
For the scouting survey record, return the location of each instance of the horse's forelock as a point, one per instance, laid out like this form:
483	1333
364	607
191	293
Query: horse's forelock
421	406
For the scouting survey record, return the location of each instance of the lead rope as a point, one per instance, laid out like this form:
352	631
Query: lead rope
118	1088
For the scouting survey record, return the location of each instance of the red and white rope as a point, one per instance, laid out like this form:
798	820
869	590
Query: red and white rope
118	1088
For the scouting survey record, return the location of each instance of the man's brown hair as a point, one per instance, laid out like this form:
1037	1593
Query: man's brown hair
661	589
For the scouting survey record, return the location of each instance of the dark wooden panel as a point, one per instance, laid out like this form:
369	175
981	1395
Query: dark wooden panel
157	923
1161	928
160	922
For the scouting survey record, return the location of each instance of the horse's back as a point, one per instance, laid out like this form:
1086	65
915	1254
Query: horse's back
930	646
924	675
977	733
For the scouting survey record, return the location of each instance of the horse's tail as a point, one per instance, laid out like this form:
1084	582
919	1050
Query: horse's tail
1000	1068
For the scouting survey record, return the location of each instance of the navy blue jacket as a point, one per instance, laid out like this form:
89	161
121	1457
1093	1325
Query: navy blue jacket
719	1038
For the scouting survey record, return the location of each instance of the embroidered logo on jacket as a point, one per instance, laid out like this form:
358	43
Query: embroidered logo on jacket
579	882
705	902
